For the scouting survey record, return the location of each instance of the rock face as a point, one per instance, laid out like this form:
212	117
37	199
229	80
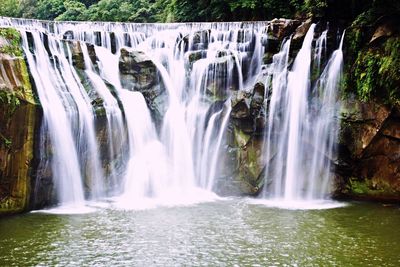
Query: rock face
18	116
245	161
138	73
370	152
369	166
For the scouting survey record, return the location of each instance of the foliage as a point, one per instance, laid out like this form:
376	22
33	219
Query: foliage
9	8
373	70
159	10
49	9
10	100
377	72
12	37
122	10
74	10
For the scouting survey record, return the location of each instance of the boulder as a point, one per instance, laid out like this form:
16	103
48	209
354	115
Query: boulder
137	71
281	28
240	102
302	30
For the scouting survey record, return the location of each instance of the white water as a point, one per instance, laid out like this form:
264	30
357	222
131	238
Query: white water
198	65
302	123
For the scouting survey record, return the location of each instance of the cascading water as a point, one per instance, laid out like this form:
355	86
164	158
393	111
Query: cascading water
302	123
161	94
65	163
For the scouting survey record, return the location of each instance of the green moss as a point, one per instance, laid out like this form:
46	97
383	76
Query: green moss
369	187
377	72
10	205
241	138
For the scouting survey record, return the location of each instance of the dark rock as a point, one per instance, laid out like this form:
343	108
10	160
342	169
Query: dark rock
369	165
281	28
137	71
78	60
250	161
197	40
193	56
240	102
385	27
257	101
244	36
76	53
68	35
360	123
302	30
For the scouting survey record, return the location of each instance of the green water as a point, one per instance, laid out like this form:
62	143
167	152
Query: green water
221	233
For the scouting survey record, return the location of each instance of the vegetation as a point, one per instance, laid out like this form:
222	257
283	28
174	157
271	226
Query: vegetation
163	10
373	68
377	72
369	188
13	39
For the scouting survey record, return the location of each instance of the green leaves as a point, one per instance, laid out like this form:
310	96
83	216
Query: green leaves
75	10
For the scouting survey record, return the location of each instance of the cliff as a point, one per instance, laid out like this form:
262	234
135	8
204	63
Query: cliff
17	125
369	166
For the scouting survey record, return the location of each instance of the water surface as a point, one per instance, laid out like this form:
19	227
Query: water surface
232	232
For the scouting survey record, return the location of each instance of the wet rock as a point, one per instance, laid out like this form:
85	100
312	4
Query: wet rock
281	28
197	40
257	100
222	78
194	56
250	162
268	58
77	54
240	102
302	30
392	128
244	36
68	35
137	71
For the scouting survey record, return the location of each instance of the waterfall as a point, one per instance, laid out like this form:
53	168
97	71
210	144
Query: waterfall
58	108
302	122
142	111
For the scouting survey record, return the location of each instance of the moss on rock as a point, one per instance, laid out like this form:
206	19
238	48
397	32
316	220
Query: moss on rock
371	189
377	72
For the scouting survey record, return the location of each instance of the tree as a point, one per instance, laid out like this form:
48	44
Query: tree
49	9
75	10
9	8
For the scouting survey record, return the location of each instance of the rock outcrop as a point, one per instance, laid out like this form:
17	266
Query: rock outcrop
18	120
369	163
139	73
369	166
